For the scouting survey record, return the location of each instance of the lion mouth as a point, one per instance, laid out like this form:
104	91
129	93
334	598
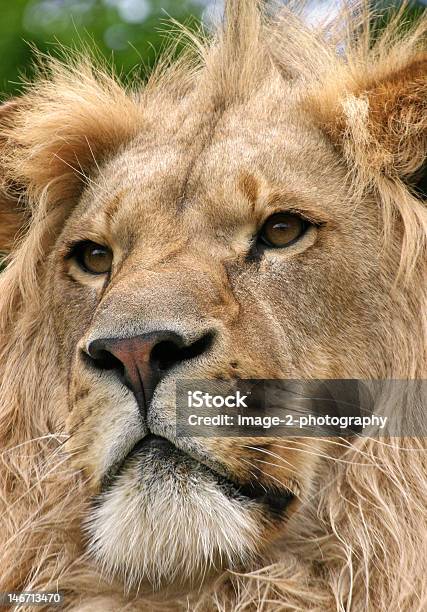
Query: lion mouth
274	498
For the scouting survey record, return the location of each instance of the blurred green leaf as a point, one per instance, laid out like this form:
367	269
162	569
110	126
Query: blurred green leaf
128	32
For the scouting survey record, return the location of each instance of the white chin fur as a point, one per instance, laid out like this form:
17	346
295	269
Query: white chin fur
168	522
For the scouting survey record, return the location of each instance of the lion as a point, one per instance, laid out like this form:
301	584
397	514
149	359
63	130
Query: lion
254	210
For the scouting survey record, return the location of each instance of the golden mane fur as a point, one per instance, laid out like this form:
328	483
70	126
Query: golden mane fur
364	534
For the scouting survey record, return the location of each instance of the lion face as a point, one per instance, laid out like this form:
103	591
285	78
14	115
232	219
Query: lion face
162	272
224	222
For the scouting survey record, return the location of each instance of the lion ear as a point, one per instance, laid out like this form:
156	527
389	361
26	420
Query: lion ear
382	123
66	123
13	215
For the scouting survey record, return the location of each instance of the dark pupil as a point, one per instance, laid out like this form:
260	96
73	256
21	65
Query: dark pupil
97	253
281	226
96	259
284	229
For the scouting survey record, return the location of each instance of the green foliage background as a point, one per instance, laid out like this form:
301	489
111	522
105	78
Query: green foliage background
129	32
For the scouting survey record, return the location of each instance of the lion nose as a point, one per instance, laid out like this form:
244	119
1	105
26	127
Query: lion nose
142	361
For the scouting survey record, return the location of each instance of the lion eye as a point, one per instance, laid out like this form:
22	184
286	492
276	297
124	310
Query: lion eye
93	258
282	229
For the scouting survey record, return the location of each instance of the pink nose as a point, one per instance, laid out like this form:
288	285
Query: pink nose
142	361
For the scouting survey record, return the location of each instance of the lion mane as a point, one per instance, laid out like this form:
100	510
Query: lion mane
359	543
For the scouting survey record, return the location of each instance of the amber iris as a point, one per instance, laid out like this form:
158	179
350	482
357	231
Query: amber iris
282	229
94	258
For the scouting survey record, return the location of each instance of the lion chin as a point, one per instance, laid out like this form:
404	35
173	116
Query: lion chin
168	520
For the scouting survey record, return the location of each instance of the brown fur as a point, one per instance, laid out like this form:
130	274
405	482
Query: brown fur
176	176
